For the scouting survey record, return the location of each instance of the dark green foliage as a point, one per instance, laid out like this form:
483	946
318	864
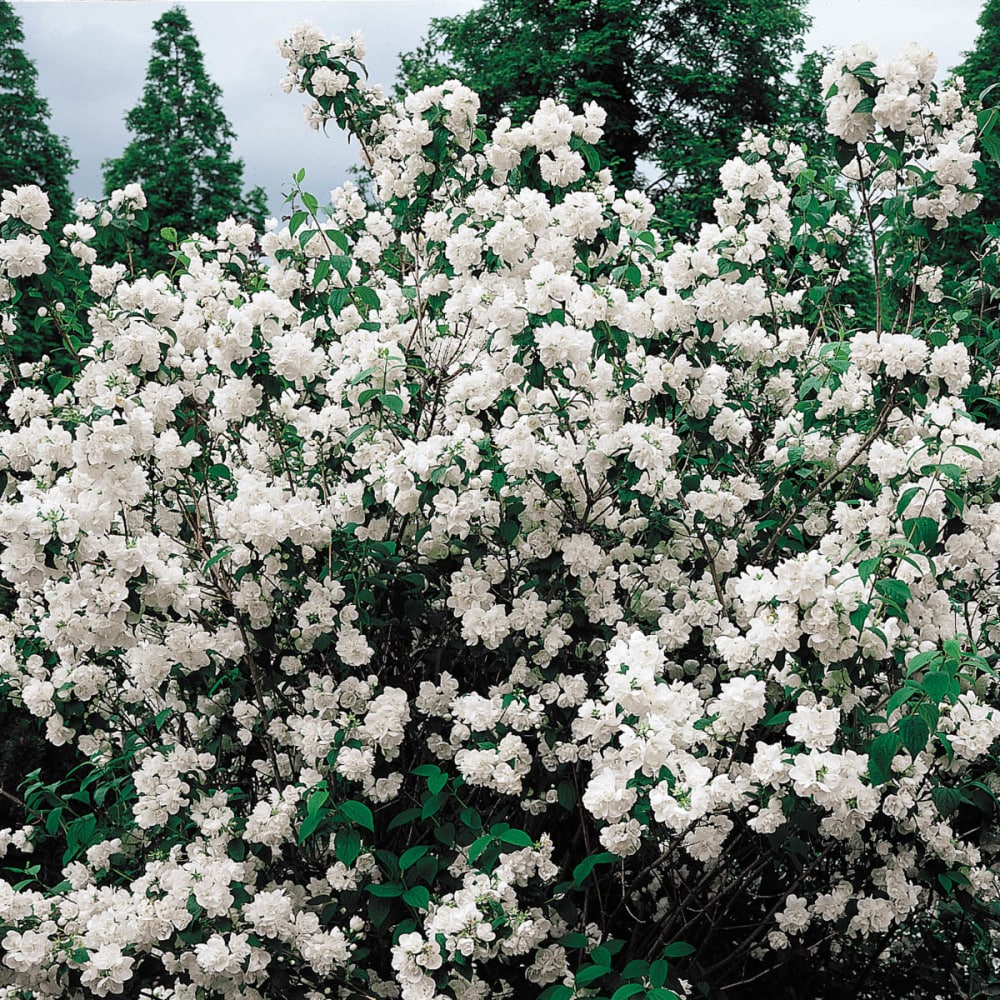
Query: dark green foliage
680	79
181	151
804	112
29	152
981	71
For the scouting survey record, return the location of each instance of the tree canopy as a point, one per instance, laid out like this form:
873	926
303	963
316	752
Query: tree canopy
979	70
679	79
30	153
181	151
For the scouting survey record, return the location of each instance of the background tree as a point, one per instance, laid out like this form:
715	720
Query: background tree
804	112
980	68
680	79
30	153
181	151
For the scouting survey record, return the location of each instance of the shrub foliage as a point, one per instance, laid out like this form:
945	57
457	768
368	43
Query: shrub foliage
473	596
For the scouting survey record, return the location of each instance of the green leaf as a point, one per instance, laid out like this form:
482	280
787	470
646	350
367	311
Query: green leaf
567	795
626	991
585	867
379	909
914	733
593	161
678	949
309	825
342	265
508	531
315	814
317	800
930	713
339	238
867	567
859	616
516	837
401	819
367	297
213	559
894	591
658	972
320	272
558	991
385	890
432	804
922	660
947	800
347	845
479	845
937	685
637	967
411	856
777	719
905	498
921	531
419	897
880	757
52	820
590	973
991	146
391	402
900	698
601	956
358	812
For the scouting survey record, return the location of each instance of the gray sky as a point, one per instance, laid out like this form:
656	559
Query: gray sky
92	56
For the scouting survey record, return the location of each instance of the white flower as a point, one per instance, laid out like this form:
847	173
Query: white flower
327	82
107	971
23	255
28	203
815	726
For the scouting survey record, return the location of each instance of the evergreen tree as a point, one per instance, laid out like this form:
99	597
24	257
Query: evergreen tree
803	113
29	152
680	79
980	69
181	152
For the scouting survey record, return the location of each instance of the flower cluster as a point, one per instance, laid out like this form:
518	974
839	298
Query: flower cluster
397	586
897	97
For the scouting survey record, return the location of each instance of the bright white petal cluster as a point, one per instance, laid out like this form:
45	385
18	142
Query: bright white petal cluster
476	581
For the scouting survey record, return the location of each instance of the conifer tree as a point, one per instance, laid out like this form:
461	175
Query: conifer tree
181	151
29	151
980	69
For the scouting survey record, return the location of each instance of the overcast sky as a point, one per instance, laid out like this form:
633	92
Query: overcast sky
92	57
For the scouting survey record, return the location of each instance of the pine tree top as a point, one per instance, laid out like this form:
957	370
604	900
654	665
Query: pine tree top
181	146
30	153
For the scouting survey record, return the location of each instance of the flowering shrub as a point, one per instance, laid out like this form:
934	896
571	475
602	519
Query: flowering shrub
478	595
